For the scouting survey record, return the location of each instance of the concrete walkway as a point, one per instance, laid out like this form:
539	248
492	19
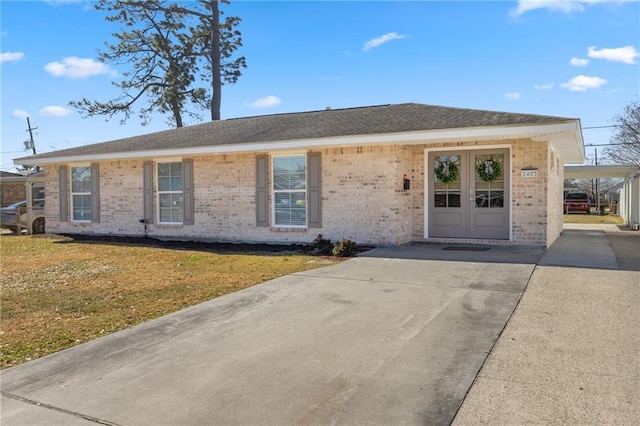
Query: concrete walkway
570	354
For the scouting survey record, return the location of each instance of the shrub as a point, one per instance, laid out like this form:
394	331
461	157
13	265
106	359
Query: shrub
344	248
321	246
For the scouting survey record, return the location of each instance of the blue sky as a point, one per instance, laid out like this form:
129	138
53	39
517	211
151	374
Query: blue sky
571	59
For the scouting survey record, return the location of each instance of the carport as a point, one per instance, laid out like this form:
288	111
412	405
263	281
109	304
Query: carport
629	206
33	189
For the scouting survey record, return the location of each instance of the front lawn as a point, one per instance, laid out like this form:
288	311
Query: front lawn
57	292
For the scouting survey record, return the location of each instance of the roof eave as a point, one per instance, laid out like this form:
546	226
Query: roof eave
565	134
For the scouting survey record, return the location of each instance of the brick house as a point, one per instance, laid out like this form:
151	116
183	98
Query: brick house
12	188
379	175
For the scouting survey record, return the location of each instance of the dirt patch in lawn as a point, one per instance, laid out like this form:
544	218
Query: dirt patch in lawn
59	291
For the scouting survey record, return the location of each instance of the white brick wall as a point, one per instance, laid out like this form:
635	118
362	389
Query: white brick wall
530	195
362	195
555	197
360	191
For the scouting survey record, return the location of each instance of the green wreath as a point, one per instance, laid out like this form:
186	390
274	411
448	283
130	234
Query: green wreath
447	171
489	170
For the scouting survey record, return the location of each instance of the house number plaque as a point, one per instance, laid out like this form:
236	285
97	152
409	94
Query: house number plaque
531	173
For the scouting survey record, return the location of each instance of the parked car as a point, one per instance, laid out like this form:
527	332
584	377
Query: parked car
577	202
17	213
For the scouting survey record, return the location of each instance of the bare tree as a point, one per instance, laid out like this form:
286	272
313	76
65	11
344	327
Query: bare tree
167	50
625	148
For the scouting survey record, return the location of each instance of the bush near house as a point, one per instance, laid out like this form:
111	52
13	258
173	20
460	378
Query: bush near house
345	248
321	246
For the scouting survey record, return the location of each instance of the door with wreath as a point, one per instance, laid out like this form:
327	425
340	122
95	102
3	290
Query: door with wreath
468	194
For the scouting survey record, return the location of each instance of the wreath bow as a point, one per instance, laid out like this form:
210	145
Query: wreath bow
488	167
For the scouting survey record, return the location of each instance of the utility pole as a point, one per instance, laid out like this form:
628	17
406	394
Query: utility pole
597	190
32	144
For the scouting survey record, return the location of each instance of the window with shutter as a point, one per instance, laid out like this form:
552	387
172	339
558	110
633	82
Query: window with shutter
289	191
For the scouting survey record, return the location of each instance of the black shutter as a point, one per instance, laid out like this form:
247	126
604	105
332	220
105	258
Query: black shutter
147	191
187	192
95	193
262	216
314	190
64	195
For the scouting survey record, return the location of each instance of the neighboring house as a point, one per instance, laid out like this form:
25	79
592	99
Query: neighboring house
12	188
613	193
379	175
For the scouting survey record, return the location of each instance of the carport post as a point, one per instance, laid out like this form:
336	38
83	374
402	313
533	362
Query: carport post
29	191
597	189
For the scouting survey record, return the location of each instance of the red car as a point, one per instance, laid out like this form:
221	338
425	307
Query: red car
577	202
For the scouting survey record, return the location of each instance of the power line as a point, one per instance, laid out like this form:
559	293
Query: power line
600	127
609	144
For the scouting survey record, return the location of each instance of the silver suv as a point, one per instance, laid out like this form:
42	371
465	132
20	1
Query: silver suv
17	214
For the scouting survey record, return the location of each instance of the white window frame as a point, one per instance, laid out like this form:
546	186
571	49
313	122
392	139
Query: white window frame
281	191
83	193
159	192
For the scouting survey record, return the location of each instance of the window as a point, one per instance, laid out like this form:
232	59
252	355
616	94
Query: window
290	191
447	181
490	190
170	193
81	194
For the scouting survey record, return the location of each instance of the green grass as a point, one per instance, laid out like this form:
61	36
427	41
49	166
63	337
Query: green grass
57	293
592	218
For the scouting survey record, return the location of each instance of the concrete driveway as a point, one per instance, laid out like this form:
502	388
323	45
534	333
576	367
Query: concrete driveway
392	337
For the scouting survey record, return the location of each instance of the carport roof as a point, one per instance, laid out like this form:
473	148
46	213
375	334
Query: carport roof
8	177
408	123
600	171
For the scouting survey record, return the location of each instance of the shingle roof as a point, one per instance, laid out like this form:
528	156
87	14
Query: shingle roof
382	119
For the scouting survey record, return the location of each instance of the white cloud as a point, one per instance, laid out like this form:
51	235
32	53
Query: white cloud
626	55
555	5
54	111
547	86
11	56
579	62
266	102
17	113
327	78
514	96
582	83
566	6
75	68
375	42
